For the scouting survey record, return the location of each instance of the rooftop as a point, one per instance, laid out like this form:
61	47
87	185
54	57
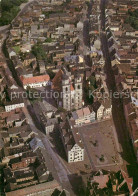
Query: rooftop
81	113
35	79
39	189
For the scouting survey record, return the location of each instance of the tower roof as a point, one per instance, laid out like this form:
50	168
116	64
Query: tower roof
65	77
57	81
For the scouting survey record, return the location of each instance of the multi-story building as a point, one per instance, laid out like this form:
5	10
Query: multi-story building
83	116
69	92
23	161
15	100
49	124
36	81
72	142
103	109
13	105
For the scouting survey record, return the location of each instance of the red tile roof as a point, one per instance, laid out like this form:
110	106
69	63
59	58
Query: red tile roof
102	180
57	80
71	88
35	79
128	180
79	113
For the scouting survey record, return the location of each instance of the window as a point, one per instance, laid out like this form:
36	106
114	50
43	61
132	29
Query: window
78	86
66	89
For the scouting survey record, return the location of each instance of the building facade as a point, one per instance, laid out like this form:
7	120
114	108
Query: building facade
70	92
72	142
100	112
13	106
36	81
76	154
83	116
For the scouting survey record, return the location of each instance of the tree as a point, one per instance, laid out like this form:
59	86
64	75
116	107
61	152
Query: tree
9	9
48	40
92	81
51	73
132	19
39	53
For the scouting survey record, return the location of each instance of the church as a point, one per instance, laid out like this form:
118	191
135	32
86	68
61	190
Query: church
68	88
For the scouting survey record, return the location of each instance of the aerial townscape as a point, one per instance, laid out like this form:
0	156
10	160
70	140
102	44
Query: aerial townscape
68	98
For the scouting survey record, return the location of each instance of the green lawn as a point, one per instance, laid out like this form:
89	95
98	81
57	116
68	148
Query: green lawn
17	49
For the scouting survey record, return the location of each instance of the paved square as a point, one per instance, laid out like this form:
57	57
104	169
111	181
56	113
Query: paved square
101	144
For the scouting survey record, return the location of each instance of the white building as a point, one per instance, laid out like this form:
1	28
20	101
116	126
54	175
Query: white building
36	81
16	101
103	109
107	112
72	142
100	112
11	53
75	154
115	27
49	124
13	106
107	108
80	25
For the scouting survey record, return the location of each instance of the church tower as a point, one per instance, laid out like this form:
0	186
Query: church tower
66	93
78	92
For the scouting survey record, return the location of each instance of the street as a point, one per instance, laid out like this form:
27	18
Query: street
23	7
117	109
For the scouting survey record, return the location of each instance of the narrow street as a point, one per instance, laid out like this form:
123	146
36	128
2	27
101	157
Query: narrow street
117	109
84	37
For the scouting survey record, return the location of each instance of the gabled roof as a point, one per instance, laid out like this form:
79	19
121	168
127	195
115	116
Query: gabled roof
41	169
96	105
81	113
36	143
35	79
71	88
128	180
70	134
28	154
106	103
57	80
